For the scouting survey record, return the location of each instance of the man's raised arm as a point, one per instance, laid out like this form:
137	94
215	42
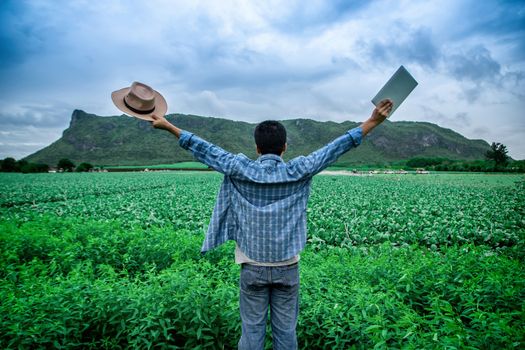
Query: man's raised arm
204	151
323	157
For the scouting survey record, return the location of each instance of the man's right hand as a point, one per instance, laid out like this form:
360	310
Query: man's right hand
164	124
380	113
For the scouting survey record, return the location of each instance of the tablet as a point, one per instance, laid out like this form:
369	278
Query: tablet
397	88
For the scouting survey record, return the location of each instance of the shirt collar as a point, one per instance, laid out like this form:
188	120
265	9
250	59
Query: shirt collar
269	156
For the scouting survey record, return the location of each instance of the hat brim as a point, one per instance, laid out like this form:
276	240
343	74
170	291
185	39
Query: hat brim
161	107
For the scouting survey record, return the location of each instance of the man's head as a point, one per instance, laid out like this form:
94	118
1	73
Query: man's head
270	137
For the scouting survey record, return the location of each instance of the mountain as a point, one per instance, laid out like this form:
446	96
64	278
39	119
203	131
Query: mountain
122	140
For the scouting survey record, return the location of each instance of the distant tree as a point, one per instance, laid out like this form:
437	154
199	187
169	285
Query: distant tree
9	165
518	166
42	168
424	162
20	165
498	153
35	168
65	164
83	167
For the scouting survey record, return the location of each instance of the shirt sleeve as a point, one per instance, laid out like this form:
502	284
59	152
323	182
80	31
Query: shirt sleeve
208	153
318	160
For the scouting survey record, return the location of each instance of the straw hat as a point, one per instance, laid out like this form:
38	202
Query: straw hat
140	100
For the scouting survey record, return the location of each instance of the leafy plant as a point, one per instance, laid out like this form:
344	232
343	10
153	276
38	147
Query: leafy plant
113	261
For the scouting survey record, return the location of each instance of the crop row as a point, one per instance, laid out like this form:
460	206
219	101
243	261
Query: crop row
112	261
79	283
434	211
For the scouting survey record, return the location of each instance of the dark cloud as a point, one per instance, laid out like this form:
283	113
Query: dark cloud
405	45
478	72
459	120
36	116
463	118
475	65
518	47
307	17
18	37
501	20
492	18
471	93
229	67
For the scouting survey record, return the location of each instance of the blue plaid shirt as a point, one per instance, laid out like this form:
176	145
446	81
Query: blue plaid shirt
262	204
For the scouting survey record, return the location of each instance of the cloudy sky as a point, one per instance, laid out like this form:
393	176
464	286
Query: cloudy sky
256	60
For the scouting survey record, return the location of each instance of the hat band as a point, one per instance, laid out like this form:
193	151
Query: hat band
138	110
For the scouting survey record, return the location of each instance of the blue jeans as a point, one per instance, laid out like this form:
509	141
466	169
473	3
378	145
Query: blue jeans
277	287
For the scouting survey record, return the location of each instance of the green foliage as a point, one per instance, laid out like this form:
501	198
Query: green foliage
22	163
390	297
8	165
444	164
517	166
34	168
105	260
424	162
23	166
84	167
181	165
66	165
429	210
498	154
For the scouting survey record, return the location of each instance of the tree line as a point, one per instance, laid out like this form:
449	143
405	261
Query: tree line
11	165
496	160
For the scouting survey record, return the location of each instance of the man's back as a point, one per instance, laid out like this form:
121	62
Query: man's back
262	204
269	219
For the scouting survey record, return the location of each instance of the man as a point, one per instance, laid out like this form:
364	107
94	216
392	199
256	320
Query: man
262	206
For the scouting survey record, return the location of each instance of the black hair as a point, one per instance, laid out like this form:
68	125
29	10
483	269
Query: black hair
270	137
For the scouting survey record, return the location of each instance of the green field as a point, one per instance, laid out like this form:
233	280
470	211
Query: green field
180	165
112	260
